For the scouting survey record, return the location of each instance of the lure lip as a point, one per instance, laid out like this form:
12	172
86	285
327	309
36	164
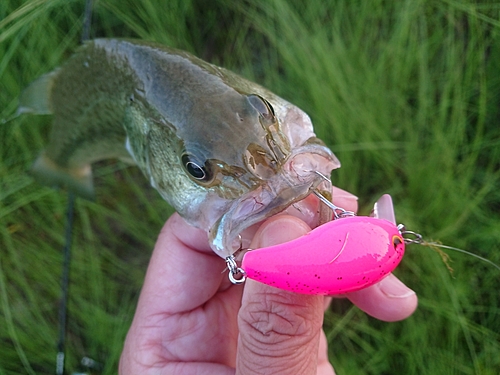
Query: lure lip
339	257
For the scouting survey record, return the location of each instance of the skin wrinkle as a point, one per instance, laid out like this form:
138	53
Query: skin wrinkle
277	317
213	335
291	360
176	340
177	332
282	365
168	356
146	353
151	345
276	320
267	339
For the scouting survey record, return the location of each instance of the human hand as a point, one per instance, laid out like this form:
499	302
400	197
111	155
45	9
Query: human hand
191	320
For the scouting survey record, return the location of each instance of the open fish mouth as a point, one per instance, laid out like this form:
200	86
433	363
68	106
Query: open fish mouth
300	174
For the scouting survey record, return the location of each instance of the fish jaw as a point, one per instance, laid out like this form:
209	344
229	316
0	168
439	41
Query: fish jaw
304	171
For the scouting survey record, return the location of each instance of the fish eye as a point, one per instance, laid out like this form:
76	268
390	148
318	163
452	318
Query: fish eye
262	106
200	172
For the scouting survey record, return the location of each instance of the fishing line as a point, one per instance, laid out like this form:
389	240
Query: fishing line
435	245
416	238
70	214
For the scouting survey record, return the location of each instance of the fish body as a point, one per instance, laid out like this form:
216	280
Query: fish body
223	151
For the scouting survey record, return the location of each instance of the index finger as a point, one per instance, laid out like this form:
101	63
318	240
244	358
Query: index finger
183	272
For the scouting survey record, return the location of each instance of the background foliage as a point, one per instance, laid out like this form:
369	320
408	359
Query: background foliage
407	95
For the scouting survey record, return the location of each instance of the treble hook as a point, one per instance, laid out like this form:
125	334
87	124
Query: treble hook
338	212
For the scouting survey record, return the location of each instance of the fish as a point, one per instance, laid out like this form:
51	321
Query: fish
224	152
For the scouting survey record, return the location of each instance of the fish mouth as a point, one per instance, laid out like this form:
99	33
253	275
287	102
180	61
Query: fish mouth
303	171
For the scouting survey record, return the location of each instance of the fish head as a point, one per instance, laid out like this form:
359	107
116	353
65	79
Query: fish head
241	154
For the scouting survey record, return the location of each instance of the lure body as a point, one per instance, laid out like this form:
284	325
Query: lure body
341	256
224	152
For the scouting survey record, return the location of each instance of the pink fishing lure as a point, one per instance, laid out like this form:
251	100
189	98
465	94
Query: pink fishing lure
341	256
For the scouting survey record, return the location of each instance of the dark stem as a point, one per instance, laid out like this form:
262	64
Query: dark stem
63	306
87	20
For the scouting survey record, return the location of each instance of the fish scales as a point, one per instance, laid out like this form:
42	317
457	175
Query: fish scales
223	151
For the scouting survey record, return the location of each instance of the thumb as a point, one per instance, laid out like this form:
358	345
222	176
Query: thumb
279	331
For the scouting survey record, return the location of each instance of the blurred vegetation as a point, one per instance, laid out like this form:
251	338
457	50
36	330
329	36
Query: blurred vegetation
407	95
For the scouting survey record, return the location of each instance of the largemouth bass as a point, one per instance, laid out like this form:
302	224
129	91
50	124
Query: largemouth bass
225	152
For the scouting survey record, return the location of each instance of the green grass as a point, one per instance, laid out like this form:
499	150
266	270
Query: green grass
406	93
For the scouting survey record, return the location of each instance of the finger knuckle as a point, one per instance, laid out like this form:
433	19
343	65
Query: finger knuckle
273	325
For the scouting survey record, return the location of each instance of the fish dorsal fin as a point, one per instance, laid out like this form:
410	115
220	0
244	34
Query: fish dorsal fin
35	98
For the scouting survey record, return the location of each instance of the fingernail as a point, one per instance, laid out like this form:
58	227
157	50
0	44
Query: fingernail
393	288
280	230
343	194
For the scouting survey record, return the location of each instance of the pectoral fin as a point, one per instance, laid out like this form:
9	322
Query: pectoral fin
78	180
35	98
